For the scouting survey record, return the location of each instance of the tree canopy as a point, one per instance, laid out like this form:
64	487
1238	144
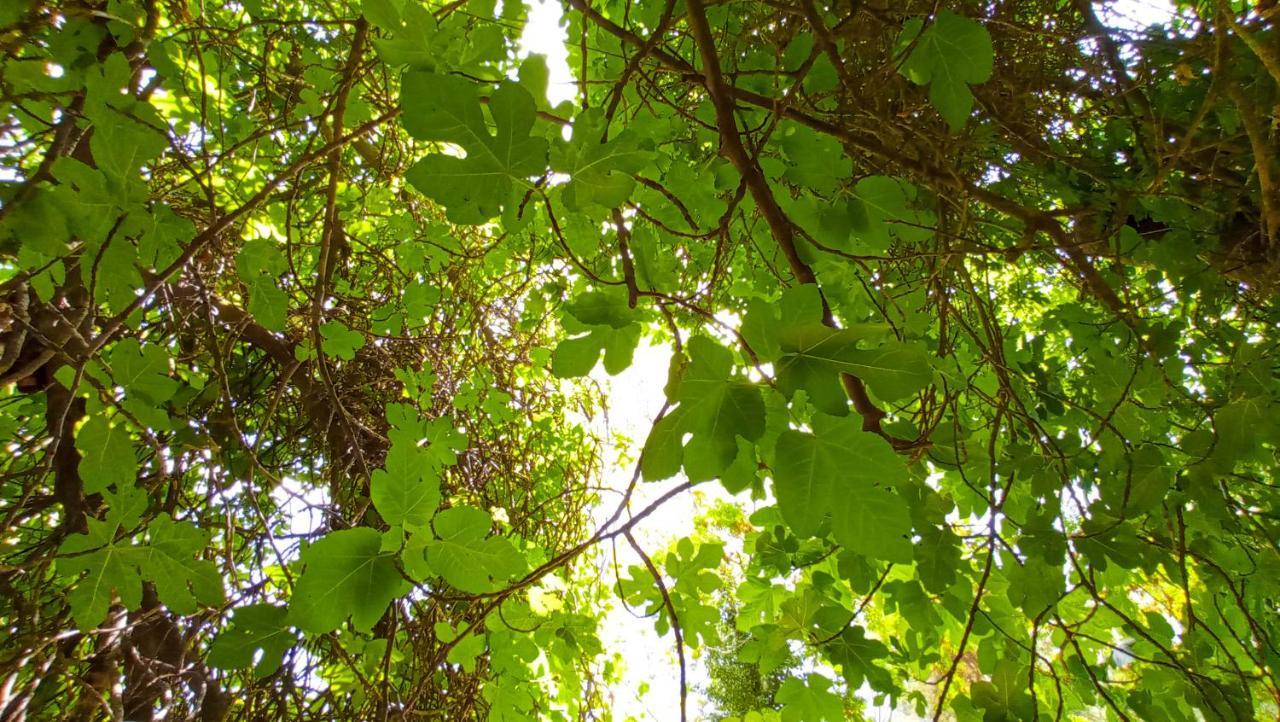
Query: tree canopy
971	311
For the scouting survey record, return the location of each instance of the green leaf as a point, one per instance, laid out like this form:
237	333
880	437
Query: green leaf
620	348
165	234
419	301
106	454
953	53
106	562
535	76
465	557
602	308
814	354
937	557
260	257
121	145
255	628
611	326
883	210
447	109
663	451
803	367
805	479
1034	586
575	357
345	573
88	200
259	265
407	491
182	580
383	13
809	700
116	276
873	521
103	568
765	323
689	568
856	655
600	174
464	652
1106	539
38	224
1239	425
813	157
1007	698
412	30
268	304
143	371
340	341
715	409
850	475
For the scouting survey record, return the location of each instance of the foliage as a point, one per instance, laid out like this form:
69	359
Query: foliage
970	309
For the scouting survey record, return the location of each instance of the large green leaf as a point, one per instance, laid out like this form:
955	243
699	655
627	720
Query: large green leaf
937	555
849	475
339	341
715	409
255	628
121	145
1240	425
107	563
106	454
172	563
765	323
406	491
805	479
142	370
611	327
884	209
663	451
951	54
813	355
600	174
577	356
345	574
447	109
873	521
810	700
465	557
857	655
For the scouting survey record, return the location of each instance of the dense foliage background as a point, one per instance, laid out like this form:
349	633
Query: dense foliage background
972	308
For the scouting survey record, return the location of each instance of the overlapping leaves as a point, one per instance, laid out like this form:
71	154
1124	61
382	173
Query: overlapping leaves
602	322
105	563
466	556
714	410
951	54
447	109
849	476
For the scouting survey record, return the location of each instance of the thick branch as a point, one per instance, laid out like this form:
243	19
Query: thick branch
731	144
779	225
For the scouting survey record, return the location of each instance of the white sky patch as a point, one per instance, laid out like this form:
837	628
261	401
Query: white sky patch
633	400
1135	14
302	505
544	35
